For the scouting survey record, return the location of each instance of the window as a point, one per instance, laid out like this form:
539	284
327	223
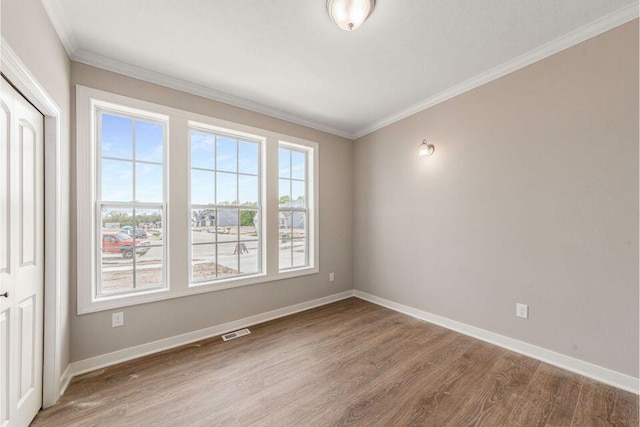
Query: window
173	203
293	207
225	206
130	202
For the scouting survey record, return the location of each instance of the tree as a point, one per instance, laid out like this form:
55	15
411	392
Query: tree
284	199
247	218
122	218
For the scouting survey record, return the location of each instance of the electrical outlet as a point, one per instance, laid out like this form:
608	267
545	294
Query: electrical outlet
522	310
332	277
117	319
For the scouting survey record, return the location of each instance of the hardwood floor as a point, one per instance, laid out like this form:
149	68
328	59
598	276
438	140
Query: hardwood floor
348	363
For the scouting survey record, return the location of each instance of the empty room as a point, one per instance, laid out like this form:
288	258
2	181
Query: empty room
319	213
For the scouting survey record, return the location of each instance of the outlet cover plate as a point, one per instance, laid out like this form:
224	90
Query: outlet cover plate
117	319
522	310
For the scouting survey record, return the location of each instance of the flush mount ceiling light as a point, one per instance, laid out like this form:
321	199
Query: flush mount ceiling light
426	149
349	14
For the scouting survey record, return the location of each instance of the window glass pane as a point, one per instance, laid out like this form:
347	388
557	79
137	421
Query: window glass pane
298	224
148	226
248	160
298	165
149	141
248	186
117	220
227	154
117	180
298	190
149	183
284	237
117	271
285	193
227	187
203	226
149	265
116	137
227	259
203	263
116	251
299	241
203	150
299	247
249	253
284	157
249	224
227	225
203	185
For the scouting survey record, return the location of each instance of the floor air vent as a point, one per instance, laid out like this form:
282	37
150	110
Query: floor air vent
236	334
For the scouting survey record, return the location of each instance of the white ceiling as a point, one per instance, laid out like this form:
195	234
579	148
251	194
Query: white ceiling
287	59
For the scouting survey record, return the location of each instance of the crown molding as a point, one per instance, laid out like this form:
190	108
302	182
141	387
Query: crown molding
76	53
599	26
61	25
604	24
155	77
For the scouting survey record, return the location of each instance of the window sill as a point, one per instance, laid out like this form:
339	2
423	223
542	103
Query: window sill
120	301
236	282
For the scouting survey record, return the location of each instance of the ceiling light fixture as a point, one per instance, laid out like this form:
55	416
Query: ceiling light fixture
426	149
349	14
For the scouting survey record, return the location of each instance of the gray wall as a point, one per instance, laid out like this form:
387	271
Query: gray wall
531	196
28	30
92	334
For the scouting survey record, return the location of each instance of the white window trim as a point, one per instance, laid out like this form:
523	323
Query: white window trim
310	192
97	107
178	222
262	141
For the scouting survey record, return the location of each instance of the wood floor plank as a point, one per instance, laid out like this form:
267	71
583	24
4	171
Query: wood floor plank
490	401
237	383
367	368
601	405
436	398
223	418
347	363
550	399
400	384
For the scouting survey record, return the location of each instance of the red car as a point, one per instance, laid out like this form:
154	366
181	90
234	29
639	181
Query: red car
121	243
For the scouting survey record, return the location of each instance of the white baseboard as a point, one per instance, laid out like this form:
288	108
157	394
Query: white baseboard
104	360
65	379
598	373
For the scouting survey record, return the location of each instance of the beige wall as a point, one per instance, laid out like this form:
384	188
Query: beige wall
531	196
92	334
28	30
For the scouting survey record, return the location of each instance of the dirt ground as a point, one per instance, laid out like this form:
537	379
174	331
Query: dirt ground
114	281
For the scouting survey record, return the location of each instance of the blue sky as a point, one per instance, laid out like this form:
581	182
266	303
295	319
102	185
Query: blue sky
117	173
231	165
291	164
223	162
291	171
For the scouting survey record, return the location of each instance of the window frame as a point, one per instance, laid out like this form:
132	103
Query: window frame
176	220
306	209
98	108
261	141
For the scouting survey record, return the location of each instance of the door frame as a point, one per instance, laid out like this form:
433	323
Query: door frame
55	247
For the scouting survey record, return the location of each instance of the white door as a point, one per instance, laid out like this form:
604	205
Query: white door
21	258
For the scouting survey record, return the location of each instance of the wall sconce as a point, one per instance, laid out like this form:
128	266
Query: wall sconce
426	149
